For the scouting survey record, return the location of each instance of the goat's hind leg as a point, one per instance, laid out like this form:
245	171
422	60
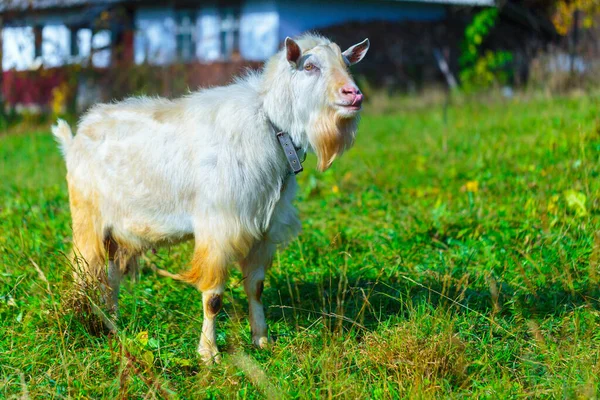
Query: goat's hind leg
98	274
98	262
88	256
93	285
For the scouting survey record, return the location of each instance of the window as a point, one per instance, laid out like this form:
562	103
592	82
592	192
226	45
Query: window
18	48
83	41
230	31
185	35
56	46
101	51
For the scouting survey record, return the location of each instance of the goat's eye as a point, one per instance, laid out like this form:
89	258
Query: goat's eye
309	67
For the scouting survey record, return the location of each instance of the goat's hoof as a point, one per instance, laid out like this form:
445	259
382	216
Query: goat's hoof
261	342
210	356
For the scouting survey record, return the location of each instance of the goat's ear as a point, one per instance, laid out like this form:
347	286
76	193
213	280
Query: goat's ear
357	52
292	50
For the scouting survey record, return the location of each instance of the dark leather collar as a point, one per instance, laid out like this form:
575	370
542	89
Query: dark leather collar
289	149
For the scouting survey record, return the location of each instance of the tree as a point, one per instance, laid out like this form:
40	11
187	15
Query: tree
568	14
572	16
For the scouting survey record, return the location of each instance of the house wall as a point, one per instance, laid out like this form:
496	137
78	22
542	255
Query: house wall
296	17
263	25
259	29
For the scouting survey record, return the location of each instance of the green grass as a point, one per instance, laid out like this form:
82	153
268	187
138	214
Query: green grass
437	259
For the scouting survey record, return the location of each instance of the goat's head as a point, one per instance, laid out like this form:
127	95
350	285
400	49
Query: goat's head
322	97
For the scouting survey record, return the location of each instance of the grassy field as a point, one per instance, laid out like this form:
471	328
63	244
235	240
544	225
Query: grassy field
437	259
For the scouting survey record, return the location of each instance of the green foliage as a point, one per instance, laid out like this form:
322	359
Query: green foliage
482	71
475	32
454	259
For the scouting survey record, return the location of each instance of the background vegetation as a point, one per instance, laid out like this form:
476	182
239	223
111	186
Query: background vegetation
444	259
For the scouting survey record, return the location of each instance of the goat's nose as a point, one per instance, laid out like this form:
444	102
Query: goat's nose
349	90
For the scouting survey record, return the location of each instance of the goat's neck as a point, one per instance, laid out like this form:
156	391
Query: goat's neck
279	108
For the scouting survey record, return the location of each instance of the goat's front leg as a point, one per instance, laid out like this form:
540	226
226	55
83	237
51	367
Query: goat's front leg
212	301
209	273
253	270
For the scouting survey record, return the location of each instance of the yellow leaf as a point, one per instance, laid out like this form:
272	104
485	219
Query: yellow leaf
335	189
142	338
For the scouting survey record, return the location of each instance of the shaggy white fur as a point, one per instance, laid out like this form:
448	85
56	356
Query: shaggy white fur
149	171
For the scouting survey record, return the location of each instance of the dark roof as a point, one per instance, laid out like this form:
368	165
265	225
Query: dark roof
25	5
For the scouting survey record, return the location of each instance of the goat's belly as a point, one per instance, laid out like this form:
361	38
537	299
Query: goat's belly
142	231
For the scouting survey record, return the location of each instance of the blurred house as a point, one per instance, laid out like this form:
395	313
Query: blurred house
53	33
166	46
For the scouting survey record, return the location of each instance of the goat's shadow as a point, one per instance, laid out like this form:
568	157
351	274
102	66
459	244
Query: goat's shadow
366	303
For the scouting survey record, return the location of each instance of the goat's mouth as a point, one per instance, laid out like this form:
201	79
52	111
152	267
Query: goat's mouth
348	109
350	104
355	107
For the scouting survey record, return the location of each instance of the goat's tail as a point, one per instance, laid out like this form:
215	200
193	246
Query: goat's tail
63	135
164	272
208	270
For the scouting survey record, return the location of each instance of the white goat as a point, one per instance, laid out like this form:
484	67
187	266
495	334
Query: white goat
148	171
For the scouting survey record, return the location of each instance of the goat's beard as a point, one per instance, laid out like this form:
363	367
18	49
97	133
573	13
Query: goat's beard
330	135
